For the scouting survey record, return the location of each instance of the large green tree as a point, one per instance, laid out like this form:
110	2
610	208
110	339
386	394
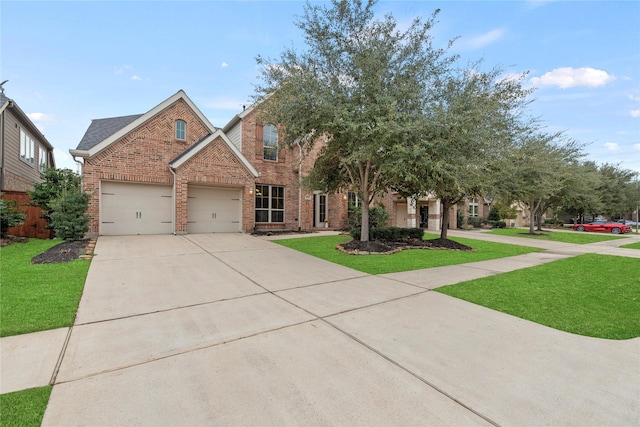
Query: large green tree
358	87
466	129
537	170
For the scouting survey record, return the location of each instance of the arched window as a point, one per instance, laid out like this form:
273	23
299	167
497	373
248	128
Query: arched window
181	130
270	142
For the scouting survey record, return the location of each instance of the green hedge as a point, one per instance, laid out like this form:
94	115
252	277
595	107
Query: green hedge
389	233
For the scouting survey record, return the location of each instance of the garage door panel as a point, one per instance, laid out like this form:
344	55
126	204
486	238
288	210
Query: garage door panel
130	208
213	210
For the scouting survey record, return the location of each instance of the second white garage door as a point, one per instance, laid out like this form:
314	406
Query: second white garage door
213	210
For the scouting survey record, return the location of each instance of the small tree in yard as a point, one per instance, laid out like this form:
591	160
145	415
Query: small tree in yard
63	202
54	182
68	217
10	216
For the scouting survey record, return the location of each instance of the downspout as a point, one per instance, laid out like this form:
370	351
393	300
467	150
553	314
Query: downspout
299	185
173	210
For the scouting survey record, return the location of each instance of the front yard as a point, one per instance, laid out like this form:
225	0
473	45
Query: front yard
567	236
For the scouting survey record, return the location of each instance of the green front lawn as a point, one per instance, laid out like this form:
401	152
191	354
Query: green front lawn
411	259
37	297
24	408
592	295
632	246
576	237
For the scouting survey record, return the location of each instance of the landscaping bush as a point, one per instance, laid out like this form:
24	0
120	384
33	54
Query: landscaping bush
459	218
68	217
553	222
378	217
497	224
389	233
476	221
494	214
10	216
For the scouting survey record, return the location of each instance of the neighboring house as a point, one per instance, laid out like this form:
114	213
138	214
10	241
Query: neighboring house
171	171
24	151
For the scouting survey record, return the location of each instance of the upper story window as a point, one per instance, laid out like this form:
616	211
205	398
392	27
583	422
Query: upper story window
27	146
43	158
181	130
270	142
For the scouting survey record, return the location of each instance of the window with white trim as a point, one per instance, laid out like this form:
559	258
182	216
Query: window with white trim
473	207
43	158
181	130
27	146
269	203
270	142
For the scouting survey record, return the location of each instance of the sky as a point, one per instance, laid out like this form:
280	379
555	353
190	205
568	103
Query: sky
69	62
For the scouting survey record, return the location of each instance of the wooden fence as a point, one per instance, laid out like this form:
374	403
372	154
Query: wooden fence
34	226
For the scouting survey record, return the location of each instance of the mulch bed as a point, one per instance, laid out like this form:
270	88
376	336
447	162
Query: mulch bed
62	252
389	247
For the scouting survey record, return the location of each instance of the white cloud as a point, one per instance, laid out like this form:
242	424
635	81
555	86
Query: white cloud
121	69
634	113
40	118
636	146
483	40
567	77
612	146
134	77
224	65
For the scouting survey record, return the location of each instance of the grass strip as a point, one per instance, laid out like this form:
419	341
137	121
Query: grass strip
578	238
24	408
592	295
37	297
411	259
632	246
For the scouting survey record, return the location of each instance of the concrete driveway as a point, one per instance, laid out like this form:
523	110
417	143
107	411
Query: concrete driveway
229	329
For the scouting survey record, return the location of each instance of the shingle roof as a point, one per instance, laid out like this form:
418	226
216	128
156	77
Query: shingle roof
190	149
101	129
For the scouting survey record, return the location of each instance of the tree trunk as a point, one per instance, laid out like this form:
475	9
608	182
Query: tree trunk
364	220
444	226
532	212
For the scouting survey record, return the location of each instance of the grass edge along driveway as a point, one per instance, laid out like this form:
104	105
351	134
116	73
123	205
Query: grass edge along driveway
35	297
324	247
592	295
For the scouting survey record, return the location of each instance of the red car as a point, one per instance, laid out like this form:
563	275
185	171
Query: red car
605	226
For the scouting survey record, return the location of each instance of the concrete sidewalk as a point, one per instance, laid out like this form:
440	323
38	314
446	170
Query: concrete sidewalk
235	330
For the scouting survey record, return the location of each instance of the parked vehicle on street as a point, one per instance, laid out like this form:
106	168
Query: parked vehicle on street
628	222
603	226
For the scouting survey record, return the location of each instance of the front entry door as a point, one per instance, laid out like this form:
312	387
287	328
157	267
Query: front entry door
320	210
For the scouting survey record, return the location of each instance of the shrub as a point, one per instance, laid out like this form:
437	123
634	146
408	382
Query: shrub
378	217
389	233
10	216
54	183
494	214
68	217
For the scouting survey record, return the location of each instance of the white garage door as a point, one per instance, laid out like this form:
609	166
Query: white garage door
127	208
213	210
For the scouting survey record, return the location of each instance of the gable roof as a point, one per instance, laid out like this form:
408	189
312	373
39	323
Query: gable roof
98	146
100	129
10	103
200	145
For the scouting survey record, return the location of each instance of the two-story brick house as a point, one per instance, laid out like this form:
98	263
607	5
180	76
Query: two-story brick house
171	171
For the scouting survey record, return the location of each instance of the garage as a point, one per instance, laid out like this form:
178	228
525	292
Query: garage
131	208
213	210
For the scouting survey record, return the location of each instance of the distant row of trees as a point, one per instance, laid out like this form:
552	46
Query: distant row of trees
395	112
